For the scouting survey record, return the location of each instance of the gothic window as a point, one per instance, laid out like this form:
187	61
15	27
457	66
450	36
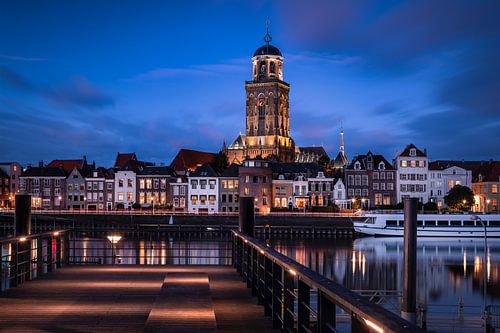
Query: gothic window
272	68
261	104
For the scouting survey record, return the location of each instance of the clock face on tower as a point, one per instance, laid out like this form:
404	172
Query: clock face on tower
263	69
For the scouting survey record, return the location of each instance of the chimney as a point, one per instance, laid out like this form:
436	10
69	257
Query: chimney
40	163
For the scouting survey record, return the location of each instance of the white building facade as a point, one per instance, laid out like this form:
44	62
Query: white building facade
443	177
203	190
125	188
412	174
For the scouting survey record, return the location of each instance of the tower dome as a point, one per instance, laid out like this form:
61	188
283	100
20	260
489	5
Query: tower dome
267	50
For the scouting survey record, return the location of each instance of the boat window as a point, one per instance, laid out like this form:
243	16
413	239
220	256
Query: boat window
492	223
401	223
443	223
468	223
456	223
419	223
391	222
433	223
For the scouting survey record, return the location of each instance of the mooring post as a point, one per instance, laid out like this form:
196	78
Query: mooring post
246	216
409	306
22	229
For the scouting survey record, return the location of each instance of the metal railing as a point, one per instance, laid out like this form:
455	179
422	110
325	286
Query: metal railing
28	257
283	287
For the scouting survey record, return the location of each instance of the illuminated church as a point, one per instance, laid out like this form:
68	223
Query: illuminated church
267	111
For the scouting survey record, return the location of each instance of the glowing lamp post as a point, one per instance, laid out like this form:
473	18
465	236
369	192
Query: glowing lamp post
114	239
60	203
487	205
353	200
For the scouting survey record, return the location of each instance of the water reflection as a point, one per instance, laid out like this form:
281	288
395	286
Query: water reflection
151	252
448	269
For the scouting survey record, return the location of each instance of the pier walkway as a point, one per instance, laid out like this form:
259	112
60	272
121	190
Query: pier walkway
133	299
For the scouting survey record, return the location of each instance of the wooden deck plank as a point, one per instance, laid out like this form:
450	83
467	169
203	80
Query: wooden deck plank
119	299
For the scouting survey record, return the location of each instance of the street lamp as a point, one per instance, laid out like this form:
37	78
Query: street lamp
153	204
353	200
60	203
477	218
114	239
487	205
85	203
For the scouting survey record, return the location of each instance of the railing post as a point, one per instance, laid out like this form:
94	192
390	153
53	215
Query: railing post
261	276
58	252
13	282
488	328
268	288
255	272
326	314
66	248
50	256
39	257
304	301
357	325
288	300
277	294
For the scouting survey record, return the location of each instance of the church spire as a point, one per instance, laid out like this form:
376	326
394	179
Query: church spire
267	37
341	138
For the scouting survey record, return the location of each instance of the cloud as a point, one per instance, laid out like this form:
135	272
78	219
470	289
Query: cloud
20	58
77	92
232	66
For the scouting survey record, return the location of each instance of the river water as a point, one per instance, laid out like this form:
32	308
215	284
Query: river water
450	272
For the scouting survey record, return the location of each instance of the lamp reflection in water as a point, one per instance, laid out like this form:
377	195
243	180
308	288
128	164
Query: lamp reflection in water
114	239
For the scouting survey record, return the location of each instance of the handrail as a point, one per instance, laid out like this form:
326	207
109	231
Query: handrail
361	310
33	236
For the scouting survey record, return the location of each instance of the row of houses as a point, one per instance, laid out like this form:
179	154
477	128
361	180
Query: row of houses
194	182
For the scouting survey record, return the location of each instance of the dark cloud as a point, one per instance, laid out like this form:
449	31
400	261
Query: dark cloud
77	92
14	80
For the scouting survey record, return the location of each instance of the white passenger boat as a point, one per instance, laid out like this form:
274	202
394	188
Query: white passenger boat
429	225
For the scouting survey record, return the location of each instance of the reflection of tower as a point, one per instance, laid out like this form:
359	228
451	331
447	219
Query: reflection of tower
267	106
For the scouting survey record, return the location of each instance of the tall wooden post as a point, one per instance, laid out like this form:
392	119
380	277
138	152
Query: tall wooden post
409	306
246	216
22	228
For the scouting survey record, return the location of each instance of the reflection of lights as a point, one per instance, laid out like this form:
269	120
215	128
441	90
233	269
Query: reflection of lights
477	264
373	326
363	268
56	233
261	251
359	260
22	239
488	267
465	262
353	262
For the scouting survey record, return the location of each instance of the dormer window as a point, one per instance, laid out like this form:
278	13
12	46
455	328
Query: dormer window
381	166
321	174
281	177
413	152
357	166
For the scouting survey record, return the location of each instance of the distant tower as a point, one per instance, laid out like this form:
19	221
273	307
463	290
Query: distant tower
267	106
341	160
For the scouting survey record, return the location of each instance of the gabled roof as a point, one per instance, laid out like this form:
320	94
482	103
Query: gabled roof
238	143
231	171
207	170
406	151
67	165
44	172
363	160
340	161
123	158
320	151
189	160
487	172
158	171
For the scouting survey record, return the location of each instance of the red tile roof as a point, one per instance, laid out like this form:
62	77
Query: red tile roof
189	160
66	165
123	158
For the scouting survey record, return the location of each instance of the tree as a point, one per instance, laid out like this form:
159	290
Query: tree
324	161
460	198
221	160
430	206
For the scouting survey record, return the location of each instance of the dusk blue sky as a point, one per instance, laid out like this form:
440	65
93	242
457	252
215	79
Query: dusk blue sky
98	77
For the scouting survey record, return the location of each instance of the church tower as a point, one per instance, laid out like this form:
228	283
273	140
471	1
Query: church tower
267	106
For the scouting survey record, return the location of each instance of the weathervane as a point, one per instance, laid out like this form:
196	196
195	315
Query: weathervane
267	37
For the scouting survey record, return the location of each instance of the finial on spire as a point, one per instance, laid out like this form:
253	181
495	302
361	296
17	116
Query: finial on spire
267	37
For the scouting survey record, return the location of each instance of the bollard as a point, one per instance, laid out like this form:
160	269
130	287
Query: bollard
22	220
246	216
409	306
